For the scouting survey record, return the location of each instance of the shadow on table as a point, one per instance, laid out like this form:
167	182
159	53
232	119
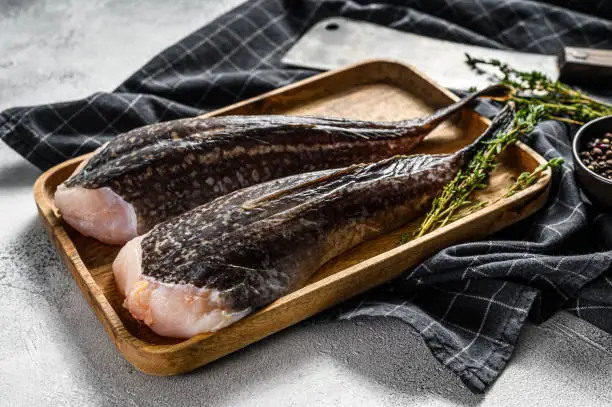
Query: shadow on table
313	361
316	363
328	364
568	347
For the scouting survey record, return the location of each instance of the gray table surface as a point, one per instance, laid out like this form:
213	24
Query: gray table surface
53	351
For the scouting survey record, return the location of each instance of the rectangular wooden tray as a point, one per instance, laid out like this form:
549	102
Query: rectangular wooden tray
375	90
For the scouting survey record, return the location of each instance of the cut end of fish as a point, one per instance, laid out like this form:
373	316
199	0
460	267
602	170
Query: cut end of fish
99	213
173	310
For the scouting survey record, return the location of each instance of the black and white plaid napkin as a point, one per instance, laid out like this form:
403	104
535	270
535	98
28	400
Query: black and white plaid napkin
468	302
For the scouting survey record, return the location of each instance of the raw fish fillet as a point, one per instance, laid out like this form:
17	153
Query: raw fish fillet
154	173
211	266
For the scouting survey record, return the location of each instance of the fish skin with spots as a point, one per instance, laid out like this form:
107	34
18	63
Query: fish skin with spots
209	267
151	174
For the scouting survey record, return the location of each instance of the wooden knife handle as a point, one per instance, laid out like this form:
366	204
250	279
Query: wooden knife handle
586	66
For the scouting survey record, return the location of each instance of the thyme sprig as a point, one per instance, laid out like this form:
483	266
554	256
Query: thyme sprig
559	101
526	179
456	195
536	97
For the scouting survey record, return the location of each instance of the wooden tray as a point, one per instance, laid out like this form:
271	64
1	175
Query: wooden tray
376	90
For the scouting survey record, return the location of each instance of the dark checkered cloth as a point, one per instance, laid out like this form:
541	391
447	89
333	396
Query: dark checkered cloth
470	301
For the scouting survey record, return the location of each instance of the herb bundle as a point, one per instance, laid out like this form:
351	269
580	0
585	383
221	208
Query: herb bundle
559	101
536	98
455	196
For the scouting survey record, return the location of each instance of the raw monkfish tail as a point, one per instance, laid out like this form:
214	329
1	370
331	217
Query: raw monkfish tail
493	91
500	124
159	171
250	247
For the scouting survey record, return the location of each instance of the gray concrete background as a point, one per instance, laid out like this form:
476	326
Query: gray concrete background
53	351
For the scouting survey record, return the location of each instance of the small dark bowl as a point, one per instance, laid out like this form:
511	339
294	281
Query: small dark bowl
597	187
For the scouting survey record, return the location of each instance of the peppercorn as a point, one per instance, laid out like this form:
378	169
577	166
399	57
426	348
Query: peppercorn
597	155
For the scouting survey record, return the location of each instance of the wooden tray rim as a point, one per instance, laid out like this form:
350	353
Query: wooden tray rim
114	325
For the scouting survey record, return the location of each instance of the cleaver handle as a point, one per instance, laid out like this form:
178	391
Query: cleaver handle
586	66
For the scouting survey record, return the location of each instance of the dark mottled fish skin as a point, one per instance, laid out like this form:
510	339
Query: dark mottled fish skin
257	244
168	168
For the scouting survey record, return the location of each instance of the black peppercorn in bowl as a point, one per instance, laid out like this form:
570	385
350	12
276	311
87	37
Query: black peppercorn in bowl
592	154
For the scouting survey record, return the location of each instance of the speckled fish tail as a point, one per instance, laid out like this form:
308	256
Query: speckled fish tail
156	172
211	266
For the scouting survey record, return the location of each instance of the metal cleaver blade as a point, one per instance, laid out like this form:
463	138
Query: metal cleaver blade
336	42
